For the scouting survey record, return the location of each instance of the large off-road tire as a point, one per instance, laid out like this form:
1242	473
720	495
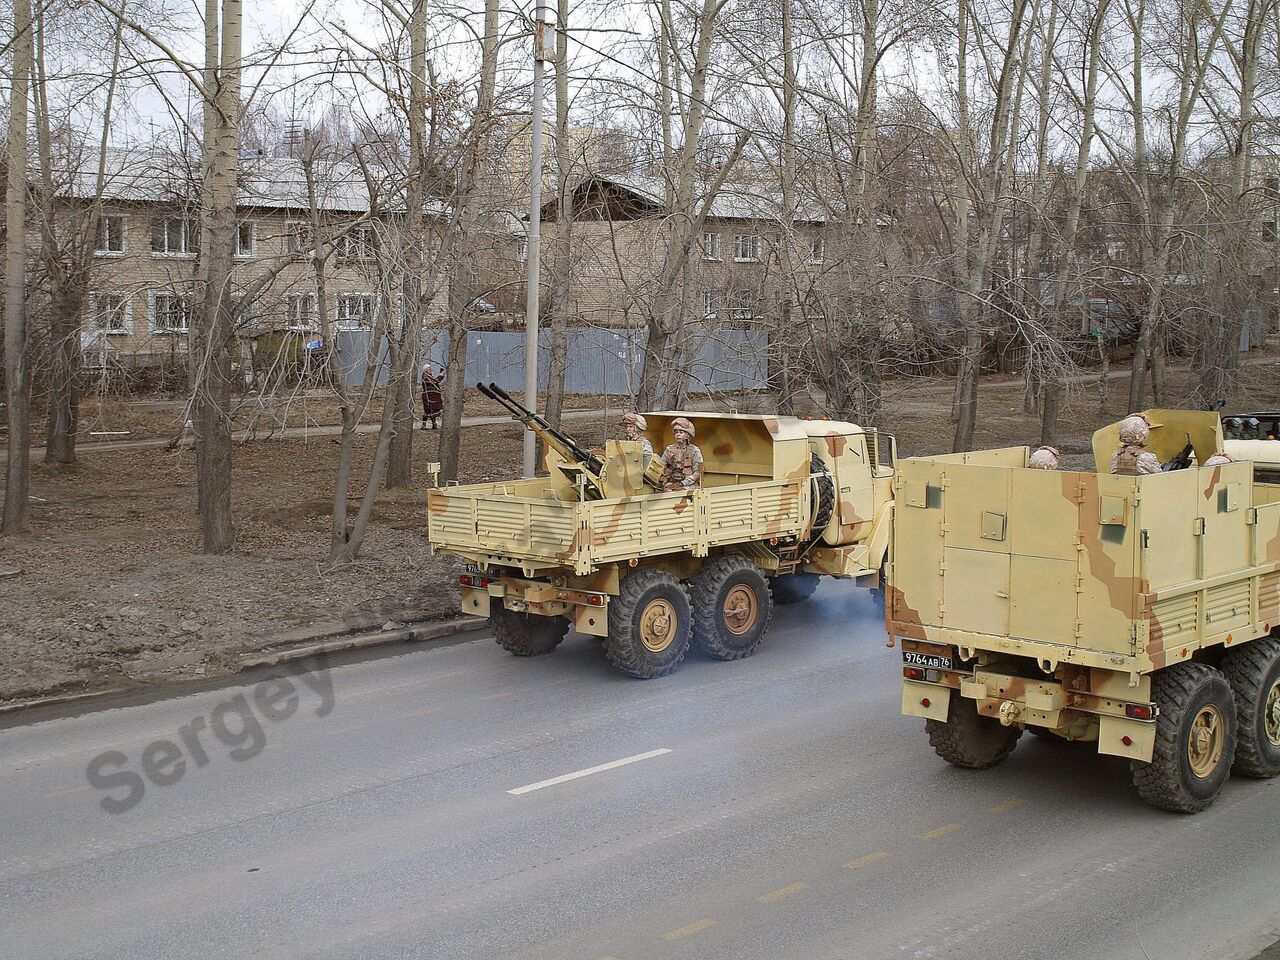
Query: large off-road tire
968	739
649	624
731	607
1254	674
1195	739
526	635
793	587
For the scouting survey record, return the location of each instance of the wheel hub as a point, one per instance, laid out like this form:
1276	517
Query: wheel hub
1271	714
740	610
1204	744
657	625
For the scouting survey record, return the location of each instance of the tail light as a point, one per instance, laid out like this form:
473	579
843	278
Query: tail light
595	600
469	580
1140	711
913	673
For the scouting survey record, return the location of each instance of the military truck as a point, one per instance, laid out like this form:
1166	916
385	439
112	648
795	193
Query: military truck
597	546
1137	613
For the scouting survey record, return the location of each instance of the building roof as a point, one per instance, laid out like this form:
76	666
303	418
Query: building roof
277	183
734	201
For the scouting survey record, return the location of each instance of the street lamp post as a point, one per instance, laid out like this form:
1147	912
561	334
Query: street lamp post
543	50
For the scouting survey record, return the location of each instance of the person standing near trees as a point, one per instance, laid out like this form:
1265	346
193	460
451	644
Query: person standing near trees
432	398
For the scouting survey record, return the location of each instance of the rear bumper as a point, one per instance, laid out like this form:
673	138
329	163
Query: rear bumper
587	610
1089	705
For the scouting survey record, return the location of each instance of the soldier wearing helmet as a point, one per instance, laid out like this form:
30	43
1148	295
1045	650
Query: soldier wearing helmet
1132	459
1252	429
1218	459
1045	458
1233	429
682	460
633	427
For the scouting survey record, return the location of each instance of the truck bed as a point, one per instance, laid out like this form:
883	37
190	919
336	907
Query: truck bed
1127	573
521	523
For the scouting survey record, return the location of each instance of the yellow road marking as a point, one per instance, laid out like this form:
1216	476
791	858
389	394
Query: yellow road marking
63	793
940	831
866	861
1008	805
783	893
689	930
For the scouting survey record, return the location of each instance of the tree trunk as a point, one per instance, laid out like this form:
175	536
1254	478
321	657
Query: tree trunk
213	319
64	379
562	244
17	384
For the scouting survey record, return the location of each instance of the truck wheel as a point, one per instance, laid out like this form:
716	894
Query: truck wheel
1254	673
527	635
649	625
731	607
793	587
968	739
1195	739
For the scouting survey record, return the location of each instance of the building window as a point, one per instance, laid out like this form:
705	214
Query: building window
746	248
817	249
1269	231
711	300
743	305
297	238
357	243
170	312
300	310
1271	187
172	236
246	239
110	312
111	234
355	310
711	246
522	249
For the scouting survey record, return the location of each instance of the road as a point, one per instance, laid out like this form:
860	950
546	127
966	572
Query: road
778	807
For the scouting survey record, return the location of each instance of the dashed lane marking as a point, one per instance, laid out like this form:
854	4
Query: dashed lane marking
1010	804
940	831
579	774
689	929
783	893
866	861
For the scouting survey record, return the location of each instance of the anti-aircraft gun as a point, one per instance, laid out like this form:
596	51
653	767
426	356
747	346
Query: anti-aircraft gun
582	468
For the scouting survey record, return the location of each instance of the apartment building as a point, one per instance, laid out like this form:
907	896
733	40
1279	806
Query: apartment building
139	307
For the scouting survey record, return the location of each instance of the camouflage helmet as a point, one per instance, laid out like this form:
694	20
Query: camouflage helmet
1135	429
681	423
1045	458
1218	459
637	419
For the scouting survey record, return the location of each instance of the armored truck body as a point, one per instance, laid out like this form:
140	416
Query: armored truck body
601	549
1137	612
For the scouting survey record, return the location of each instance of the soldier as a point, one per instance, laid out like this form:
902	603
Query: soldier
1132	460
1218	459
634	426
1045	458
1252	429
1233	429
682	460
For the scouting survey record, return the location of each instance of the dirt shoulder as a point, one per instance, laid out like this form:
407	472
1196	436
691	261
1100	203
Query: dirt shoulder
114	591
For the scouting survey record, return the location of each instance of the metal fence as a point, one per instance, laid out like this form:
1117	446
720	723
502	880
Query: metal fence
597	360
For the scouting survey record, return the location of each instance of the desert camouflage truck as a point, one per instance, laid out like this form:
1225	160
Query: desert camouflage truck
596	547
1136	612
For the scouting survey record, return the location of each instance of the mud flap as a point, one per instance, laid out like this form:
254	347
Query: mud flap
475	601
592	620
915	695
1112	732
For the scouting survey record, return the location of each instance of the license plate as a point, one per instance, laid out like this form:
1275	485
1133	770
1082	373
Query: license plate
930	661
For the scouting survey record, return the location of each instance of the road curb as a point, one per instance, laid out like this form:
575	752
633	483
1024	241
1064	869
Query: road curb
293	645
413	633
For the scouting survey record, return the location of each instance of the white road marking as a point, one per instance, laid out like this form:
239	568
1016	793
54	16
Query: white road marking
577	775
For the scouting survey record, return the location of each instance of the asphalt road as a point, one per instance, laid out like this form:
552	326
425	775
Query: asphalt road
795	814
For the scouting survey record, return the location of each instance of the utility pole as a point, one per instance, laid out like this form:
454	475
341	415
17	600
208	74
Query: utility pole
543	50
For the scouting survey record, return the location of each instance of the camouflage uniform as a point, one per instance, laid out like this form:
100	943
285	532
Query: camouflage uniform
1218	459
1131	460
682	461
640	425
